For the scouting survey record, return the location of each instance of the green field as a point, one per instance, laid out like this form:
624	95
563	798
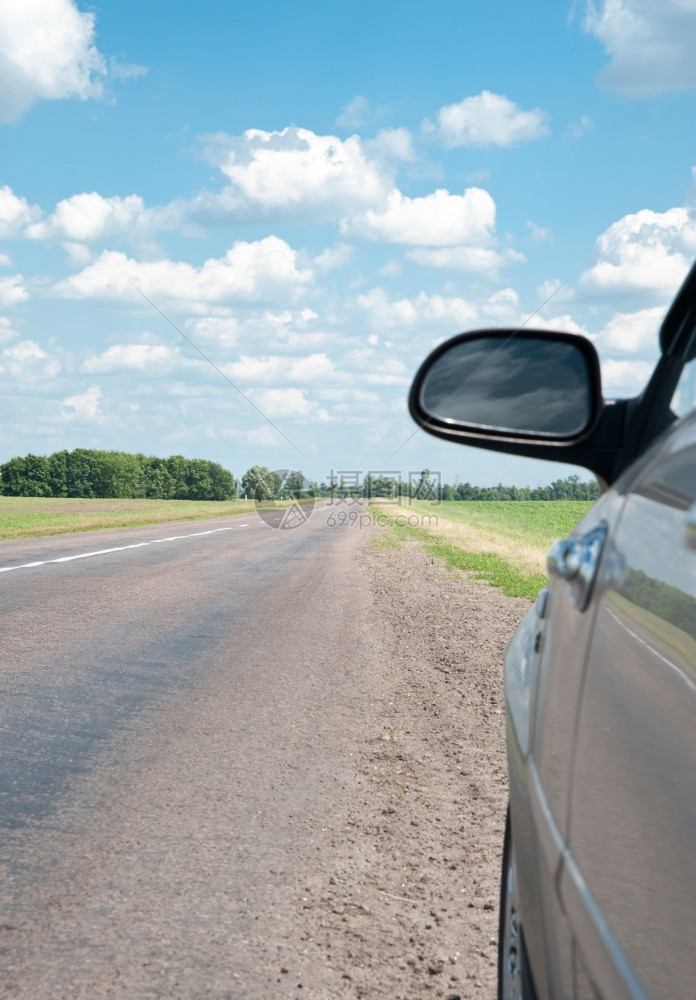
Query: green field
502	542
32	517
539	522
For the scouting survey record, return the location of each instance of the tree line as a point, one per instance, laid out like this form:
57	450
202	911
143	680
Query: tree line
571	488
260	483
89	473
424	488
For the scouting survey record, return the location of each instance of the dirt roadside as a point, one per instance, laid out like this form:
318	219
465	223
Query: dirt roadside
427	851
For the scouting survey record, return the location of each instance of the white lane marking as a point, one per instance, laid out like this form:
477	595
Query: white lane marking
119	548
687	680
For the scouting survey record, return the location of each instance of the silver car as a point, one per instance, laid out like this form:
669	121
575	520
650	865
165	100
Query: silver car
598	893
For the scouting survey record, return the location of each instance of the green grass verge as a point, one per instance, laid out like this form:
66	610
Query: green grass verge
35	517
385	540
482	566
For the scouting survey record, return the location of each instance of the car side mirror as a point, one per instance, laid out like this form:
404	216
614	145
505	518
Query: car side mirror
538	393
509	384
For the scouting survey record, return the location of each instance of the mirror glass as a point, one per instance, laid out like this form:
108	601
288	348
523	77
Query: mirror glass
505	382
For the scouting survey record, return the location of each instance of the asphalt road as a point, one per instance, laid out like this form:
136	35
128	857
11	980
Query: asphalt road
170	698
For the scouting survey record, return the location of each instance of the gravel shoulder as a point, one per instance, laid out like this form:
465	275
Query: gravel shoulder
432	836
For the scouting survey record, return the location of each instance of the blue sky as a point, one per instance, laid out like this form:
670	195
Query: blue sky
316	194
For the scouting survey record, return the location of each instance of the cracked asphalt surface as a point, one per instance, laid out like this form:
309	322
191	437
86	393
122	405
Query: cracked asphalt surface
250	763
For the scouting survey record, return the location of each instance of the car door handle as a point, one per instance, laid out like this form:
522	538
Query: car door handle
575	560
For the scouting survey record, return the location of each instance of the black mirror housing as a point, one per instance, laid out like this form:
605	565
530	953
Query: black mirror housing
560	368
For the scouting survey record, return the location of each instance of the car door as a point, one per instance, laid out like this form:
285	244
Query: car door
628	883
565	627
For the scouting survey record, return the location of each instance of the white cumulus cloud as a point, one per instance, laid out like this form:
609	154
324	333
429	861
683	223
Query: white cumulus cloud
635	332
353	397
15	213
275	368
391	144
293	173
377	367
651	44
222	330
437	219
624	378
47	52
486	120
555	289
647	253
333	258
154	358
90	216
502	306
12	290
286	327
564	322
27	361
479	259
247	272
7	331
84	406
422	311
278	403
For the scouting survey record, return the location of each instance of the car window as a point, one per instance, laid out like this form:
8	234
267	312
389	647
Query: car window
684	398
